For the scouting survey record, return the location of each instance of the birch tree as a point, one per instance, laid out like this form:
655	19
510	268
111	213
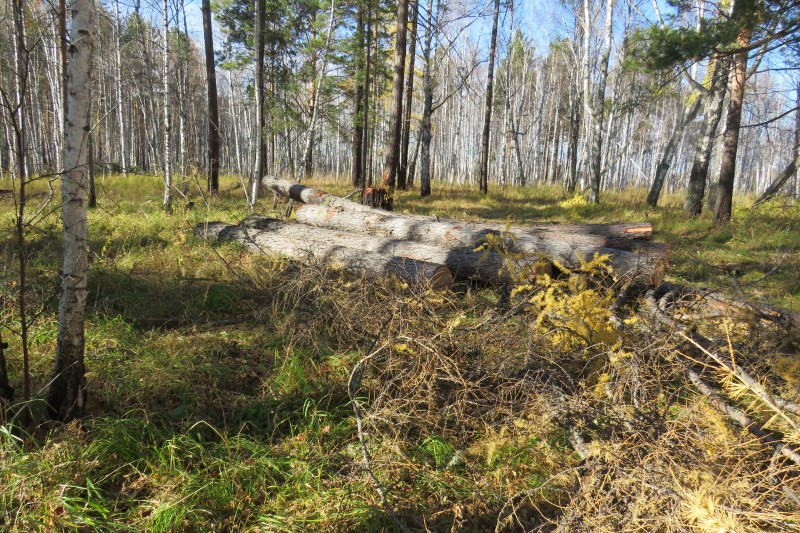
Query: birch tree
67	395
167	133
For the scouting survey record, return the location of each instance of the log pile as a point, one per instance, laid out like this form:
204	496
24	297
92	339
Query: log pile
433	251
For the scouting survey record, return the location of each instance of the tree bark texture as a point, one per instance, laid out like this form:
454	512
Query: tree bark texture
463	261
304	244
261	146
730	140
598	109
167	133
67	394
396	106
402	171
213	107
568	250
698	176
483	178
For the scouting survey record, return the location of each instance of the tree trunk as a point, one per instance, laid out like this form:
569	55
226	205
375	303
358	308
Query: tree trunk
730	143
402	172
66	399
213	108
483	178
309	196
123	161
689	114
598	110
357	175
367	85
698	176
396	106
167	201
305	244
427	108
261	147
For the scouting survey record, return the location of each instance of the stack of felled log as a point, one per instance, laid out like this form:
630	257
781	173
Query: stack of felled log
432	251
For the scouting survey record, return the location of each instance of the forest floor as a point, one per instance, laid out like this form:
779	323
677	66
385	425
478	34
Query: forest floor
222	384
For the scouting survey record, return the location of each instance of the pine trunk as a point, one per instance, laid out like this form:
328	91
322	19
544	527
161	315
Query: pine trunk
213	108
730	142
396	105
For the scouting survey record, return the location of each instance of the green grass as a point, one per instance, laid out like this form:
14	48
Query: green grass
218	379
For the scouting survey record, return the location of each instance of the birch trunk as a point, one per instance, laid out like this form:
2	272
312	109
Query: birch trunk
66	399
688	115
598	110
123	161
167	199
698	176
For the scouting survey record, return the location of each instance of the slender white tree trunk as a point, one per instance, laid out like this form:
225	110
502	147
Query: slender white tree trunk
118	88
167	201
67	391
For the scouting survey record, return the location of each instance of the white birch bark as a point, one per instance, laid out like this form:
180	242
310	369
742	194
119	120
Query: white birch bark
67	392
167	200
118	89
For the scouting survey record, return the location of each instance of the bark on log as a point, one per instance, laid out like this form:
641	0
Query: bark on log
463	262
640	267
308	195
306	244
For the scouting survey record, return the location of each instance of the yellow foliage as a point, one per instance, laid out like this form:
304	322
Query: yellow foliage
575	312
576	201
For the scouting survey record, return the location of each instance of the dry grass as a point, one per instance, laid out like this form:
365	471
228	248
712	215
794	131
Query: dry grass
221	387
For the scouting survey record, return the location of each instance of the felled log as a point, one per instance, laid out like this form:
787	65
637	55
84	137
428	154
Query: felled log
306	244
464	262
615	234
307	195
646	268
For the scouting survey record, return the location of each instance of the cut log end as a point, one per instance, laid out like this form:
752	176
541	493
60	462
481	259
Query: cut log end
379	198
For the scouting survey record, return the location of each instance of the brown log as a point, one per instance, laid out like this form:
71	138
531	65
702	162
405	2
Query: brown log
647	268
464	263
305	244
